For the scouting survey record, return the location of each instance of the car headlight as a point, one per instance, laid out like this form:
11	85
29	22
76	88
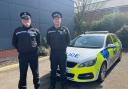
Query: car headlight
87	63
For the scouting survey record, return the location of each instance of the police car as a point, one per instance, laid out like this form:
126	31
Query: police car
90	55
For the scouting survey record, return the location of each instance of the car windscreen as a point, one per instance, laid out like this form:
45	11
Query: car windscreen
88	42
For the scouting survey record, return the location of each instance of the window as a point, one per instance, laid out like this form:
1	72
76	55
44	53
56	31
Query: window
114	38
109	40
88	42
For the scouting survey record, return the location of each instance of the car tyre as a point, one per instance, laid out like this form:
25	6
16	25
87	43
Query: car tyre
102	74
119	59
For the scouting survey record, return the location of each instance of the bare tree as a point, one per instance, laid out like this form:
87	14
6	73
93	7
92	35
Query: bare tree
81	8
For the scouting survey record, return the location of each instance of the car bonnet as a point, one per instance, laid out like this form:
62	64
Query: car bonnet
80	55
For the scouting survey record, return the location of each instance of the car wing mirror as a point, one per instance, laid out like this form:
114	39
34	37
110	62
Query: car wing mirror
110	46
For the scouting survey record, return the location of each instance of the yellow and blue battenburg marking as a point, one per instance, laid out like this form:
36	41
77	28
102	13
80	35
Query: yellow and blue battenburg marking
105	54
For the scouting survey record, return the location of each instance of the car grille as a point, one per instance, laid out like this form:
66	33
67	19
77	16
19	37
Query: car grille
86	76
71	64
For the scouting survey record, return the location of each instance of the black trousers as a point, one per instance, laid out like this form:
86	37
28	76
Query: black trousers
24	61
58	59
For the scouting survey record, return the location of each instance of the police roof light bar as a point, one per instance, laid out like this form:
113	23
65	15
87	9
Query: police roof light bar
96	32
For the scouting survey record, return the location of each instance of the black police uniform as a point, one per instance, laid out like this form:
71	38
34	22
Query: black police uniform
58	40
26	41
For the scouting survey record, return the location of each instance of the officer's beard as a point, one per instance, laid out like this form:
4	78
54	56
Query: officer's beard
27	25
57	25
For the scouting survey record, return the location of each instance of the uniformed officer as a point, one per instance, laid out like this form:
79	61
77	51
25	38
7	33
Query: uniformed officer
26	40
58	38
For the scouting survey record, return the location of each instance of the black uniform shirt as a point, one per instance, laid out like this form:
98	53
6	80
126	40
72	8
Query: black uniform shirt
26	40
58	39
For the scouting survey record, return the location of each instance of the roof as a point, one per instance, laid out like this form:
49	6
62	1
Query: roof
113	3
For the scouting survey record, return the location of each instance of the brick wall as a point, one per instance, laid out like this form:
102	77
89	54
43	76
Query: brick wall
8	53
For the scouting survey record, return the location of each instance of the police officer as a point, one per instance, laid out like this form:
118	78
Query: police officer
58	38
26	40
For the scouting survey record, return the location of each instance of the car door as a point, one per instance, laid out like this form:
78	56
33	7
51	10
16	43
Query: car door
110	49
117	48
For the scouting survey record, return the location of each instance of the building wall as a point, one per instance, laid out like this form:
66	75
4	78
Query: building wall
41	16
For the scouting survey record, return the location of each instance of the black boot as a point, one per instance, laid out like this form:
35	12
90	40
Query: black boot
51	87
64	87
